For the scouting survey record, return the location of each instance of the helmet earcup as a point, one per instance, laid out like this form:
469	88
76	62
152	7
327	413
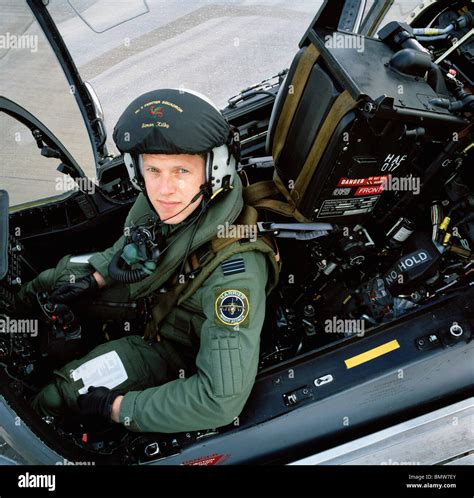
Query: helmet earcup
134	166
220	169
132	170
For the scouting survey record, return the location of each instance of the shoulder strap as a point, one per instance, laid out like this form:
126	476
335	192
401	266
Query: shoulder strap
248	216
262	245
215	253
260	195
259	190
165	303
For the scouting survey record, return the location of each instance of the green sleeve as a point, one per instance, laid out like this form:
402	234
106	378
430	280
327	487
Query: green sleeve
226	363
100	261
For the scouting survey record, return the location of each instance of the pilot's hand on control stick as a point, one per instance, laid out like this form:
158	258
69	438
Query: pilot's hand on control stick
97	403
84	287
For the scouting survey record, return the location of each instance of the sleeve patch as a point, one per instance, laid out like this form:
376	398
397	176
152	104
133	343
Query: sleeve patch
232	266
232	307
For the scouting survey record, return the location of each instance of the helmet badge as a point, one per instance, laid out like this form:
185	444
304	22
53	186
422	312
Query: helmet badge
156	110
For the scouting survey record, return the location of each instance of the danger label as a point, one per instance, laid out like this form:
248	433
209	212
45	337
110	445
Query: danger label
356	182
347	207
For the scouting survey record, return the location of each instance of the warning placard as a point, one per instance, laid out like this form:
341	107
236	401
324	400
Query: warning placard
357	182
347	207
376	189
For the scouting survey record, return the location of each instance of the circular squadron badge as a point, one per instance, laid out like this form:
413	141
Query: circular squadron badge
232	307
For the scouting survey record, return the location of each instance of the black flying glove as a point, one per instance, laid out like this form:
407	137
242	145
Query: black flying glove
97	403
83	287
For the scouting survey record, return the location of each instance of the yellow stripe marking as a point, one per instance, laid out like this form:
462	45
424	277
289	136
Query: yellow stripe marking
371	354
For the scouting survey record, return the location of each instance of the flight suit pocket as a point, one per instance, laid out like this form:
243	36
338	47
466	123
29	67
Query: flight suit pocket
177	328
226	366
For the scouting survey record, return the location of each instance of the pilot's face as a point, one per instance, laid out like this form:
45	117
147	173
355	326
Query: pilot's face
172	180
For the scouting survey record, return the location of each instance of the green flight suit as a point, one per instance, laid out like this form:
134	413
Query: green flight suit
199	370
